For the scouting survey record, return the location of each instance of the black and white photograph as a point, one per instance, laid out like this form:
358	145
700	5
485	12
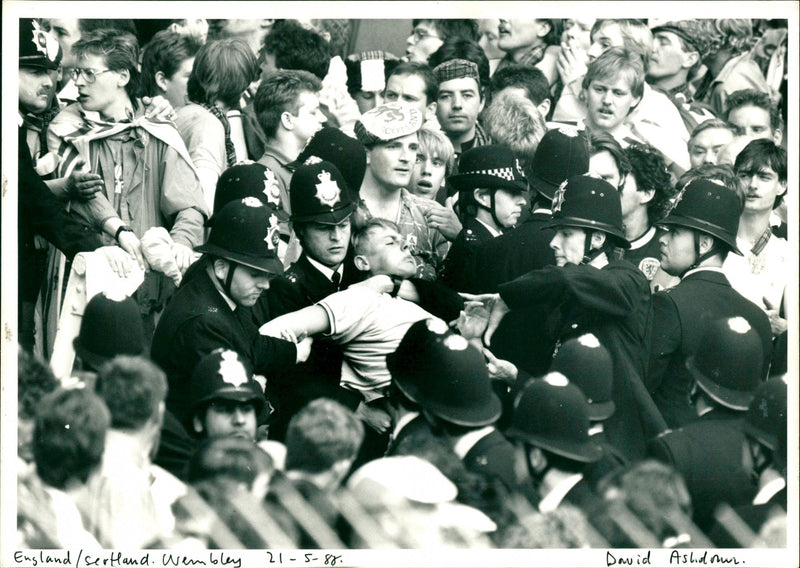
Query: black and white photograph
400	284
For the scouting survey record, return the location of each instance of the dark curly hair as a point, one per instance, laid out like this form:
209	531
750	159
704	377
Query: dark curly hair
298	48
649	170
35	380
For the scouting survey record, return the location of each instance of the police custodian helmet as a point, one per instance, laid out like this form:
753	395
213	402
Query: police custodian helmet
245	231
320	194
444	374
590	203
708	207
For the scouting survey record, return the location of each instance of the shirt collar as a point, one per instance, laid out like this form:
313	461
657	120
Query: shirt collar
402	422
769	491
466	442
552	500
326	271
644	239
494	232
699	268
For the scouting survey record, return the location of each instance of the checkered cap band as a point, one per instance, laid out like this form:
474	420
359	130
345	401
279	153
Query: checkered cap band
456	69
504	173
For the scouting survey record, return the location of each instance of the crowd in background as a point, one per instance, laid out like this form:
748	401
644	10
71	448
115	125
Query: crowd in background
521	286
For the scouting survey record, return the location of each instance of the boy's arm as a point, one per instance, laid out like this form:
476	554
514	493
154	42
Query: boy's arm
309	321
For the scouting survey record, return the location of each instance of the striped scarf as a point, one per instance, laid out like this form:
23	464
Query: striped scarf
77	129
230	150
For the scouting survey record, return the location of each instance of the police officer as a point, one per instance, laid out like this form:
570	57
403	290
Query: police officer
726	369
212	308
589	292
322	206
224	399
492	191
561	154
447	377
700	232
550	426
588	365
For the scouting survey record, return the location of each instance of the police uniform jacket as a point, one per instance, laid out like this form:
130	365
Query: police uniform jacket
708	454
680	316
524	248
40	213
459	265
198	320
613	303
493	456
612	460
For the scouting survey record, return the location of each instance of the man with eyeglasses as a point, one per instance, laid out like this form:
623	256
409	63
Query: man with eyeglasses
429	35
147	175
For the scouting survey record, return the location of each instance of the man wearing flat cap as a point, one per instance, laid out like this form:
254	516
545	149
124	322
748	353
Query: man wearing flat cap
389	134
459	102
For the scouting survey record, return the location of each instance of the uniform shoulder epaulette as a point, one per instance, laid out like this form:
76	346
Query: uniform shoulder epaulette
291	276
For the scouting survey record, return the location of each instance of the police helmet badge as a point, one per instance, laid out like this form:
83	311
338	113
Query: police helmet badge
558	197
271	189
568	130
328	191
739	325
231	369
311	160
252	202
649	266
273	235
44	42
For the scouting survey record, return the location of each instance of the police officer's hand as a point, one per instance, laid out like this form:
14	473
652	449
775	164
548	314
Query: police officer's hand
472	320
497	310
304	348
184	256
500	369
82	185
377	418
778	324
158	108
119	260
445	220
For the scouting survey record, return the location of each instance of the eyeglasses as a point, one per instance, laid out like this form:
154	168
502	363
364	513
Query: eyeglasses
89	74
420	34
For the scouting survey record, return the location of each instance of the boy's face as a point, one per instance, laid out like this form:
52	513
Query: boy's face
428	176
422	42
668	57
458	105
706	146
608	101
761	186
106	90
391	163
388	253
409	89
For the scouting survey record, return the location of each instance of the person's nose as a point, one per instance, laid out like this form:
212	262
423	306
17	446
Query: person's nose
595	50
457	102
239	415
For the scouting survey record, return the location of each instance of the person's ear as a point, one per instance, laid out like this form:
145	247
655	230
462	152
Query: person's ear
706	243
430	110
197	424
361	263
221	268
690	59
482	196
161	80
544	29
544	107
598	239
286	120
124	77
777	136
537	459
646	196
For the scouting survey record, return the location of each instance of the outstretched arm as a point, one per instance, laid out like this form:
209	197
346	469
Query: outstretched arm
312	320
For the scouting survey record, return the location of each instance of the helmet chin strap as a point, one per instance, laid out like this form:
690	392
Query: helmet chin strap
589	254
699	258
491	210
226	284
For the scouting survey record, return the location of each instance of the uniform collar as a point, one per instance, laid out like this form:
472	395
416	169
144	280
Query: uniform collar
703	268
466	442
325	270
494	232
552	500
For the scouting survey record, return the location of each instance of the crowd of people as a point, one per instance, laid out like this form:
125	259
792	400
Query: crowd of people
524	285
